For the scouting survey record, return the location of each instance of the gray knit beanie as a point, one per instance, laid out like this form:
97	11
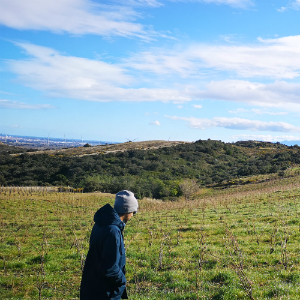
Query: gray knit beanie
125	202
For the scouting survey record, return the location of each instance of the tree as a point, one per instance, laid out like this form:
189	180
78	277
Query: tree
188	188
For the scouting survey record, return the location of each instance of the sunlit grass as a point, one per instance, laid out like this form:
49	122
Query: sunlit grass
236	243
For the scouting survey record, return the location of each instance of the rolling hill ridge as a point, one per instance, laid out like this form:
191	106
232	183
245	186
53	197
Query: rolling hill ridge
150	169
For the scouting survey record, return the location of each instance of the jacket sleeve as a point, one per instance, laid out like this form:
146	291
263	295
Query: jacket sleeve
110	258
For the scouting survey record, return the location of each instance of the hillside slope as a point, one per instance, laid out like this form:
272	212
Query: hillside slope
150	169
110	148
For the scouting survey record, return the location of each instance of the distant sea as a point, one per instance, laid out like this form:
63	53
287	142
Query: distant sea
291	143
47	142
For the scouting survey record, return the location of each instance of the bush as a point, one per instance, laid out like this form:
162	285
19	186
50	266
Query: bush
189	187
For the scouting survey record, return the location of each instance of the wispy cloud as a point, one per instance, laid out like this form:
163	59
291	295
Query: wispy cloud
237	124
295	4
20	105
276	94
72	16
233	3
266	138
157	123
80	78
262	112
79	17
6	93
257	111
197	106
237	111
152	3
60	75
282	9
273	58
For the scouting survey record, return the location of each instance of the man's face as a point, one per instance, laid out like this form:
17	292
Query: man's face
127	217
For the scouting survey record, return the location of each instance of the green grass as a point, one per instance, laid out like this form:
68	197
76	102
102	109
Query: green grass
235	243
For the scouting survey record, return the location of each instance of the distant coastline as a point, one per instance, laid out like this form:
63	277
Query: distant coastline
47	142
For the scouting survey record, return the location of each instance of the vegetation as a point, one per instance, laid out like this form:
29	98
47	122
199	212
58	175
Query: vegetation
188	188
154	173
5	149
236	243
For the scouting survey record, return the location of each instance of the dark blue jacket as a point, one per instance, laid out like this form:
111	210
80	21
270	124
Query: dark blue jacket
103	275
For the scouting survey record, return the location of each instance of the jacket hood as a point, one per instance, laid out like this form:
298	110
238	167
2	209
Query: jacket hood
106	215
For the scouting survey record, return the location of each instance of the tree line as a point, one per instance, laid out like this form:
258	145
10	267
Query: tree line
149	173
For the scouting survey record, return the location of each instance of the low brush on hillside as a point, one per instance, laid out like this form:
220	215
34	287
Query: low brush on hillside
154	169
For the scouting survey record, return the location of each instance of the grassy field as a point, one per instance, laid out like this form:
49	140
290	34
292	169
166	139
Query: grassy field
238	243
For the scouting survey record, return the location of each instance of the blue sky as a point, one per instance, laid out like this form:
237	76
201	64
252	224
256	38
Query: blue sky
149	69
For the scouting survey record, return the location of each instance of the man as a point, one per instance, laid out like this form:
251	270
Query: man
103	276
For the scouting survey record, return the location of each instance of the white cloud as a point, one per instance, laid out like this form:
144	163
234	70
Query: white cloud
20	105
237	124
261	112
152	3
237	111
85	79
265	138
273	58
117	18
234	3
257	111
276	94
48	69
71	16
292	5
161	62
6	93
157	123
282	9
197	106
180	106
94	80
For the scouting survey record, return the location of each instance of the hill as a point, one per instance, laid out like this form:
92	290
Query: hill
108	148
151	169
